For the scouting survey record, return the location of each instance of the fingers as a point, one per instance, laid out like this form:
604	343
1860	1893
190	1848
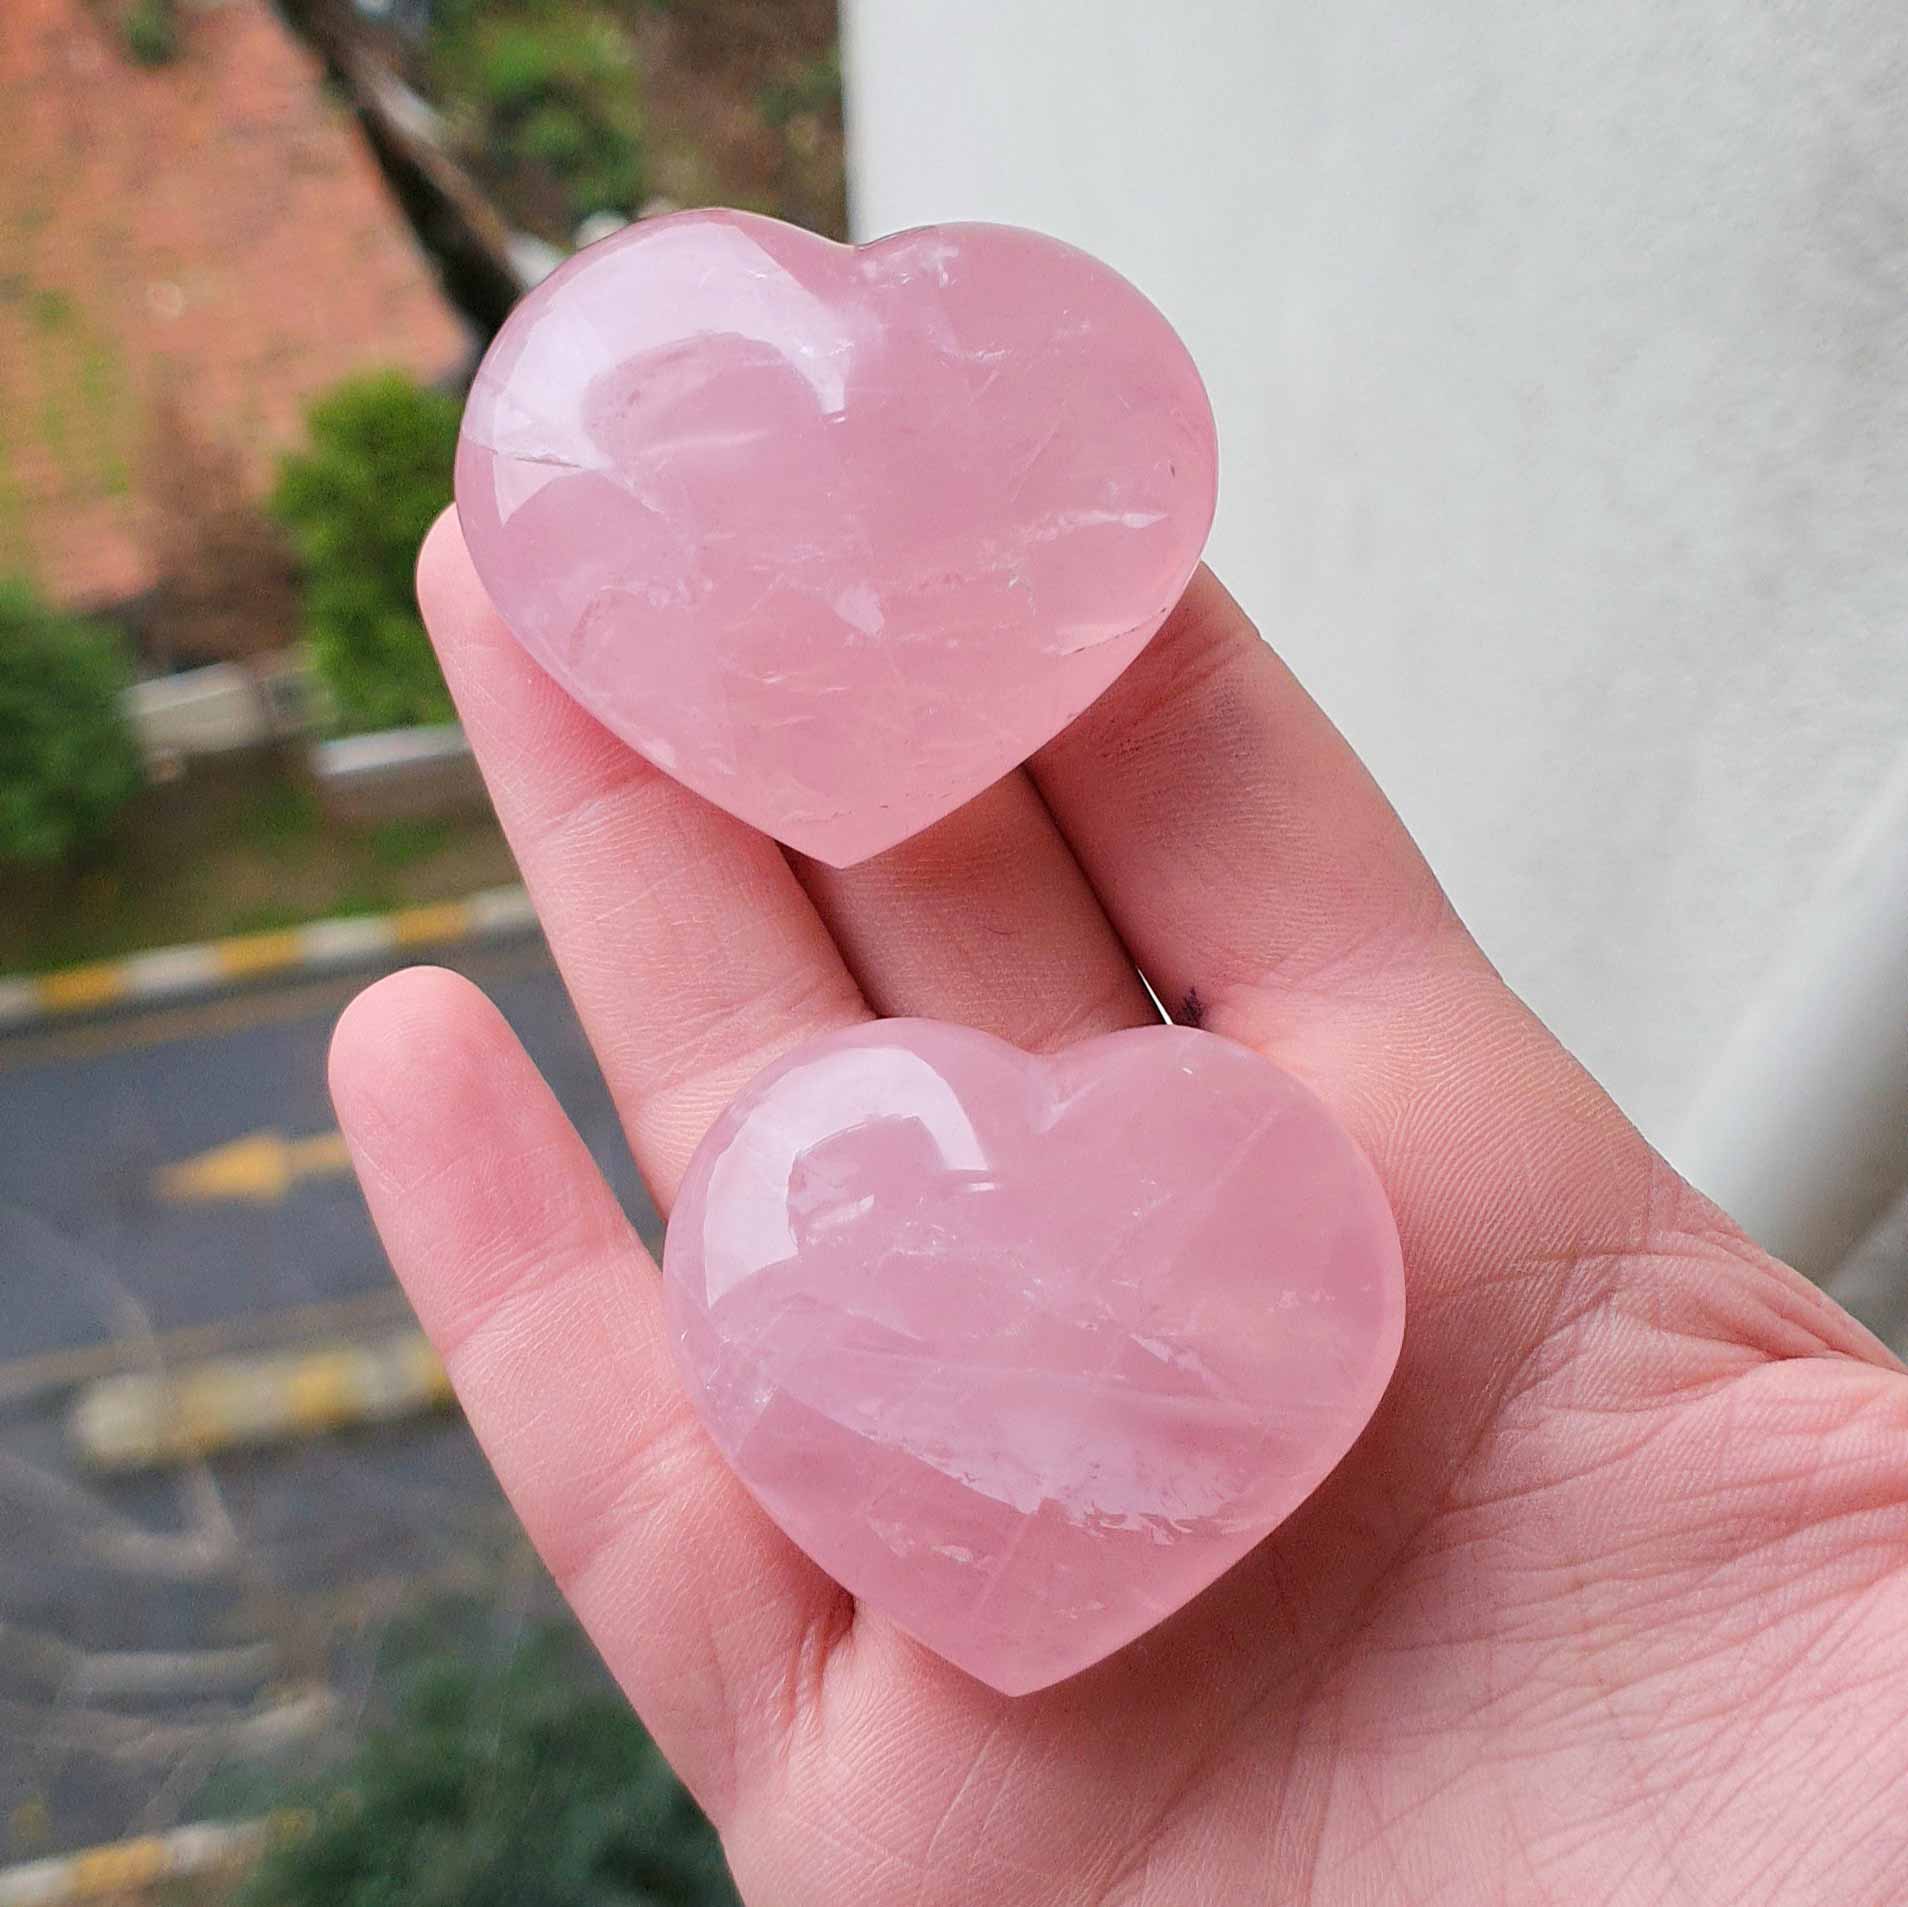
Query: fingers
1267	889
546	1310
688	946
1230	831
1265	885
984	919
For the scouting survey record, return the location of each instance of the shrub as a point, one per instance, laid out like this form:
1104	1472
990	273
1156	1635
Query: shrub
68	759
499	1785
811	88
357	502
556	102
152	32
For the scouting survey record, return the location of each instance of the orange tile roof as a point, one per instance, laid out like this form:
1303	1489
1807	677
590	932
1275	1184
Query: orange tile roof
216	223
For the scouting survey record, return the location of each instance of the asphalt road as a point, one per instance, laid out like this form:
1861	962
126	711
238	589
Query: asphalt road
156	1629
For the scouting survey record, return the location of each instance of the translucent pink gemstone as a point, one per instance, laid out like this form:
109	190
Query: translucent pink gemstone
837	537
1025	1352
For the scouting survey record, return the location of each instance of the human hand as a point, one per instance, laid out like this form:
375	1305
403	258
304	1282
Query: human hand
1610	1602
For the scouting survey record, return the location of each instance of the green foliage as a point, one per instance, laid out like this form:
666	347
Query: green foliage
75	370
357	502
396	845
508	1785
812	88
520	65
554	96
51	311
152	32
284	819
68	759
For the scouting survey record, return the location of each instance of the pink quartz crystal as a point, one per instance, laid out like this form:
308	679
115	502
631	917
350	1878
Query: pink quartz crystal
1025	1352
836	536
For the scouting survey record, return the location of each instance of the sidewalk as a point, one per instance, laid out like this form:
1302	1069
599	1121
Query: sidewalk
323	946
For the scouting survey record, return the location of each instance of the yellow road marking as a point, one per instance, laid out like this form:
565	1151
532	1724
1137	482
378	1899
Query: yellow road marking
321	1390
421	926
45	1371
204	1412
113	1870
134	1422
80	987
297	998
258	1169
248	954
122	1868
424	1371
324	1153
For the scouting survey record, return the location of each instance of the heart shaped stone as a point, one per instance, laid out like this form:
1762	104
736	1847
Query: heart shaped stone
835	536
1025	1352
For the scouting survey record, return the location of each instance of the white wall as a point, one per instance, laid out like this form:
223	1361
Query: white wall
1560	355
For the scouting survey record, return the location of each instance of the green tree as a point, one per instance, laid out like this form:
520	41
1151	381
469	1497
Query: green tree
498	1785
552	104
357	502
68	758
152	32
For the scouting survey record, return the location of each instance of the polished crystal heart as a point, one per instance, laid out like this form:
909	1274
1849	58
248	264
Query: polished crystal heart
1025	1352
835	536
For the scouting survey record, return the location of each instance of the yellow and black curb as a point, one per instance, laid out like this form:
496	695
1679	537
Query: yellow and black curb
321	946
131	1867
137	1421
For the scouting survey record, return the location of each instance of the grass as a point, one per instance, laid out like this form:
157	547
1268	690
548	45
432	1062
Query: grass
16	549
497	1768
285	819
397	845
51	311
85	412
237	847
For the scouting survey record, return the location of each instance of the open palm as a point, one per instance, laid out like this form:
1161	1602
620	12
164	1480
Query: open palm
1609	1604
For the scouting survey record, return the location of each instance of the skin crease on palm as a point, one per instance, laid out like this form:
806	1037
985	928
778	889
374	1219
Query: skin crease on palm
1610	1603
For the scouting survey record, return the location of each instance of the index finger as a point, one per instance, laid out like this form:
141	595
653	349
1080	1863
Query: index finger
691	953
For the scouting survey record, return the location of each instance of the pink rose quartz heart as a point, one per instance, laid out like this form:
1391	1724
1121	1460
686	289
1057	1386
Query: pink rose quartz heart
836	536
1025	1352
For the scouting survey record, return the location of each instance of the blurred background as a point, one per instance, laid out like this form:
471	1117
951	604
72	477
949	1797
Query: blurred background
1561	362
253	1572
